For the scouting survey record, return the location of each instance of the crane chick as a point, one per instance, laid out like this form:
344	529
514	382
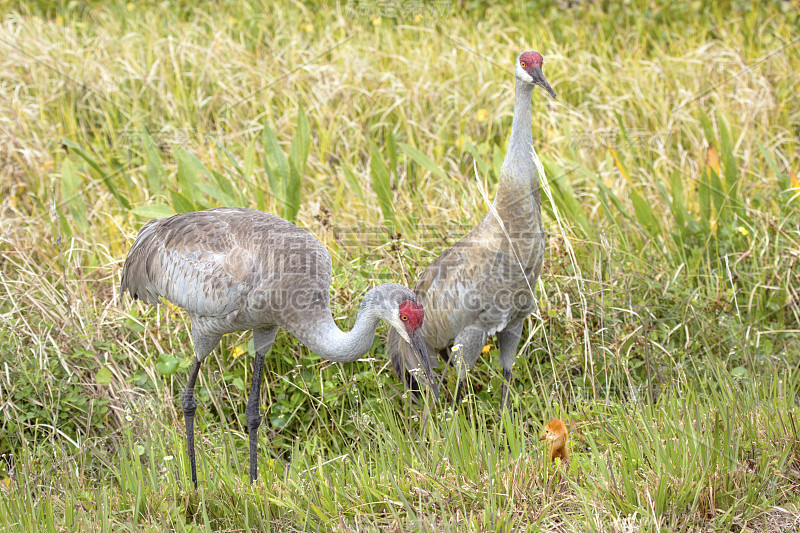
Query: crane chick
556	433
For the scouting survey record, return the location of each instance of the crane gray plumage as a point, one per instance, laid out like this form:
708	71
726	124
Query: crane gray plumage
483	284
234	269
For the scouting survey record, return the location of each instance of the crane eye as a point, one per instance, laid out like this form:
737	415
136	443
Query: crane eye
404	318
522	63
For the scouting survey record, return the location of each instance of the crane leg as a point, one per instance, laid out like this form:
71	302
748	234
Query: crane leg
189	407
471	340
507	341
262	342
204	344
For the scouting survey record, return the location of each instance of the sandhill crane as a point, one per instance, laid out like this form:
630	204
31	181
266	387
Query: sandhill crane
235	269
483	284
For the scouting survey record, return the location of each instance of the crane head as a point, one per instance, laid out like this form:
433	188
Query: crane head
398	305
407	320
411	314
529	70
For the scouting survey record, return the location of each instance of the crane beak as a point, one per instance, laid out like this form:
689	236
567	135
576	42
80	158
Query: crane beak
418	343
539	79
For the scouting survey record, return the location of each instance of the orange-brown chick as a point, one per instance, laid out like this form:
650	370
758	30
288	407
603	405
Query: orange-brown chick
556	433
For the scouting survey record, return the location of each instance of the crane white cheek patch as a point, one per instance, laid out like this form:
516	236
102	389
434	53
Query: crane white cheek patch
521	74
399	326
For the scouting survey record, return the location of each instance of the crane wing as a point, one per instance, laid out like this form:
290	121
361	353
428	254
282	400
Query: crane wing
211	262
192	261
447	290
480	281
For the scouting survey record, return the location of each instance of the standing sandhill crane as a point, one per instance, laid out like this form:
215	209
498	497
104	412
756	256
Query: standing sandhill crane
483	284
235	269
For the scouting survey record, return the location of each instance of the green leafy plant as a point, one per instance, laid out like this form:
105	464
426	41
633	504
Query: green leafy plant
285	175
382	185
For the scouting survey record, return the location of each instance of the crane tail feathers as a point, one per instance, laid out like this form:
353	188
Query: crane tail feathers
137	270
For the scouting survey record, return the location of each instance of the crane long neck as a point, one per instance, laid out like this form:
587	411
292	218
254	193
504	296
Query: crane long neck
518	201
333	344
518	162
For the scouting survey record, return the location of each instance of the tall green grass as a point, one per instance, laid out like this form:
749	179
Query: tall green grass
667	329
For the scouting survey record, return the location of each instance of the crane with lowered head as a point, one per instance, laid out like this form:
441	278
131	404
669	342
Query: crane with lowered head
235	269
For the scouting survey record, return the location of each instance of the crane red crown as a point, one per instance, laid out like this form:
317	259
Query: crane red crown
532	58
414	312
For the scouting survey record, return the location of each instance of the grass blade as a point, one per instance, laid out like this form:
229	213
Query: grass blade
353	182
423	160
123	202
298	154
153	211
70	192
381	184
644	213
704	196
783	181
223	198
275	165
156	174
190	173
180	203
729	166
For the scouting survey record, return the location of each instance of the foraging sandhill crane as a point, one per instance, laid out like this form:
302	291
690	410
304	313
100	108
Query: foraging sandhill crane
483	284
235	269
